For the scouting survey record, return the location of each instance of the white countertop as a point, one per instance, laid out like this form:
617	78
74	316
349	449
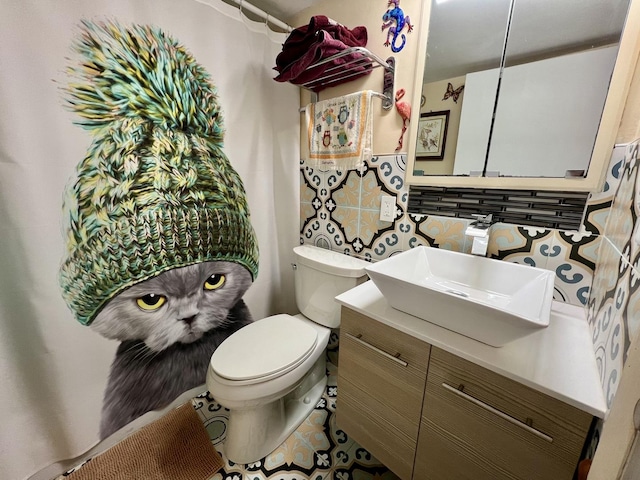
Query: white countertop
558	360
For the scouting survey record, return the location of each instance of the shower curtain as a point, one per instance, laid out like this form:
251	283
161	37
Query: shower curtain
53	370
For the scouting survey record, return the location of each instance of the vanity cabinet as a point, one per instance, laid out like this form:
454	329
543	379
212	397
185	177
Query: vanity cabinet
381	378
430	415
479	425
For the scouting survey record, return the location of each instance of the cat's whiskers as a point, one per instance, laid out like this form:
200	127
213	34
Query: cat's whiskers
135	345
139	356
148	357
144	353
144	356
226	322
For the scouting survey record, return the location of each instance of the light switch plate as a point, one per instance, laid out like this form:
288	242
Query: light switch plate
387	208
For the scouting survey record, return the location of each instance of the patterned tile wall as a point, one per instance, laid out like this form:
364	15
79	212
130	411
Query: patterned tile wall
340	211
614	304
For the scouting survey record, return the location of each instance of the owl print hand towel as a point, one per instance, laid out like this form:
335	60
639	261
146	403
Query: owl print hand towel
340	132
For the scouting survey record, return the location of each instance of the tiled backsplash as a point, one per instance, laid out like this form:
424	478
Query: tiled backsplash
340	211
560	210
614	303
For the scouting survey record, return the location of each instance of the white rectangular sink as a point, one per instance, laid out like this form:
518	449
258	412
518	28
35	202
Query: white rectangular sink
489	300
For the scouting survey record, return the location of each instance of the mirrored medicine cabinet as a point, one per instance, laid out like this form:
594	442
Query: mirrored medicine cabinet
523	94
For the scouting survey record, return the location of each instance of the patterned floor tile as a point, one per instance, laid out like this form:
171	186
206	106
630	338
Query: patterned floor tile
359	464
215	418
293	455
318	449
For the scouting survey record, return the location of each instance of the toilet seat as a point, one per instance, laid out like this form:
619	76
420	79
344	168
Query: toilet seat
264	349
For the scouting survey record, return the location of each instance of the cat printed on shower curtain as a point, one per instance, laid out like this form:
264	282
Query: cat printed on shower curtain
159	244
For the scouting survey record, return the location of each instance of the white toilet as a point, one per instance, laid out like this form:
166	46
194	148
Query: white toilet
271	373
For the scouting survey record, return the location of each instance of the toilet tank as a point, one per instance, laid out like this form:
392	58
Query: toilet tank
319	276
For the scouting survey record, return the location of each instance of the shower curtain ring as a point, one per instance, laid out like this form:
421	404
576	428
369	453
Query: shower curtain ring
266	27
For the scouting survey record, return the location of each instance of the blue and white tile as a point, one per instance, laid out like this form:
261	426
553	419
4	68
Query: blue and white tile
599	203
633	307
439	232
380	239
520	244
607	315
620	222
383	175
572	256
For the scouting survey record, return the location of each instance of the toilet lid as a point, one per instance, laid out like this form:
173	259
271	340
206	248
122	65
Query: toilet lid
273	345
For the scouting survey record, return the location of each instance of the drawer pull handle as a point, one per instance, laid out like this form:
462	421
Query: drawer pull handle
459	391
395	358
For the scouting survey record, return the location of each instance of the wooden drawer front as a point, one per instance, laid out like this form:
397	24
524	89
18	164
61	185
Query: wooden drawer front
367	375
368	361
411	350
381	380
371	424
494	428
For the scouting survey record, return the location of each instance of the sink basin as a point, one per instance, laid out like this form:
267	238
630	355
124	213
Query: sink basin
489	300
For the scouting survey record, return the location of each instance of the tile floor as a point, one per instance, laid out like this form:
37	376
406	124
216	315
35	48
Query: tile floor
317	450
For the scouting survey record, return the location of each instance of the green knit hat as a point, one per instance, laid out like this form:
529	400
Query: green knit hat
155	191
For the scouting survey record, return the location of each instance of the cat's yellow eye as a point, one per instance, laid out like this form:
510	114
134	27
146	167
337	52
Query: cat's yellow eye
151	302
214	282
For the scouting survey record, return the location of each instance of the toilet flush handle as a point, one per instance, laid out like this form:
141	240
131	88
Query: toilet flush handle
294	266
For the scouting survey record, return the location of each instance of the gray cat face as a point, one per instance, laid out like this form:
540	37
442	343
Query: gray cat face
179	305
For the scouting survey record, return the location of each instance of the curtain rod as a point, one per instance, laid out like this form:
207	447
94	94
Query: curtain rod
244	5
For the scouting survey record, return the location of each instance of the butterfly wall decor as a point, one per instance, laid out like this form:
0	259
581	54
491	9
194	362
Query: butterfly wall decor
455	94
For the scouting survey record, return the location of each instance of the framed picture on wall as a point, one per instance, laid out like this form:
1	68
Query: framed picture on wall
432	135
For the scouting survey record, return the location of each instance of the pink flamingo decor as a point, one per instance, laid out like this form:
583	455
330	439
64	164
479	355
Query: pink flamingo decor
404	109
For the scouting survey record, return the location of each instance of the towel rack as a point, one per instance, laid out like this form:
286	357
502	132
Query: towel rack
352	68
375	94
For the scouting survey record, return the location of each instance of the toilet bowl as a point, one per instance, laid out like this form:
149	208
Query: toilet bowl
271	373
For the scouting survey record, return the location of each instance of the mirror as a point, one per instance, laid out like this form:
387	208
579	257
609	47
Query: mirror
519	93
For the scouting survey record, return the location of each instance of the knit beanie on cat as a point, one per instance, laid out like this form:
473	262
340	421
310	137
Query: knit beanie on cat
155	190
